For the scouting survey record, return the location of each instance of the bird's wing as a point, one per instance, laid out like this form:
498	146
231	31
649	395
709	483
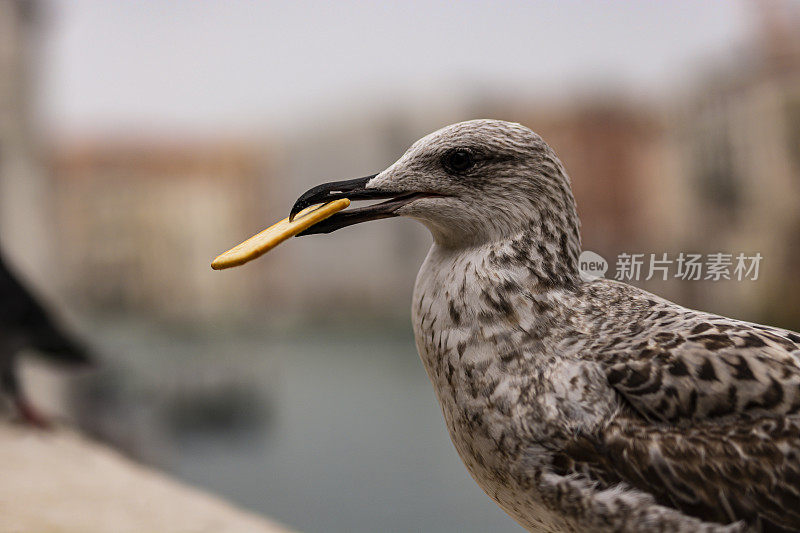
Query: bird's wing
674	364
712	370
710	412
719	472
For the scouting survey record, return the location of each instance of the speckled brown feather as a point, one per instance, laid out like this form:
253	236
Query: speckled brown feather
712	427
743	469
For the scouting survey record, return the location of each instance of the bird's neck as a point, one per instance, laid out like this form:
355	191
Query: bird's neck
542	254
468	287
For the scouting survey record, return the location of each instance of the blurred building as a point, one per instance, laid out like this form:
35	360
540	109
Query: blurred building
140	221
740	144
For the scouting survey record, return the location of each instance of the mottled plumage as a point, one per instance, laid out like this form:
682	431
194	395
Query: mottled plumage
586	406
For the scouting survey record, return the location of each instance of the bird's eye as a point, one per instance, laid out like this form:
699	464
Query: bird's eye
458	161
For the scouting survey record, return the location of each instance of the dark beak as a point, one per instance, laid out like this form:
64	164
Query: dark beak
353	190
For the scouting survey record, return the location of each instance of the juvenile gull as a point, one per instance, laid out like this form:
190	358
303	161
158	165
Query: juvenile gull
579	405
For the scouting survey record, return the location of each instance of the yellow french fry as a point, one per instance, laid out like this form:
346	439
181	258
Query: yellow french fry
263	242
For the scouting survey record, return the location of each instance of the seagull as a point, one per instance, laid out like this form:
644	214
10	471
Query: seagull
579	405
26	325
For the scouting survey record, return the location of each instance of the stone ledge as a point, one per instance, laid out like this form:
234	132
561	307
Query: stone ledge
58	481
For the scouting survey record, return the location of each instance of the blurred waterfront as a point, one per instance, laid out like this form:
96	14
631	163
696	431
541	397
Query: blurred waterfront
291	385
334	429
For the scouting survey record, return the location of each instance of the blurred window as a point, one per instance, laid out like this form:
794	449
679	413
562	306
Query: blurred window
716	172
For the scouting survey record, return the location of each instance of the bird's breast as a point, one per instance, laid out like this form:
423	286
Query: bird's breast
493	352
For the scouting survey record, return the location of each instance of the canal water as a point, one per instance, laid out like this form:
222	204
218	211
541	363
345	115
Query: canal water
324	429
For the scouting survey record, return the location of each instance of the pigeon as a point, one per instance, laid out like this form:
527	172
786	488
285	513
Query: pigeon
579	404
25	324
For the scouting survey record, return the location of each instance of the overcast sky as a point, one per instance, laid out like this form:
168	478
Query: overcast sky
184	64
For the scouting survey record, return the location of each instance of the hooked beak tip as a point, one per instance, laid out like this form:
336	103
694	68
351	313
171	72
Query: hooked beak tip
328	192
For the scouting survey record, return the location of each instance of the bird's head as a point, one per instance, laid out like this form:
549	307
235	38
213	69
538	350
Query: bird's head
469	183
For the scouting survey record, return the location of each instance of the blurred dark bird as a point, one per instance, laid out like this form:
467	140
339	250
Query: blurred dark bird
579	404
25	324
